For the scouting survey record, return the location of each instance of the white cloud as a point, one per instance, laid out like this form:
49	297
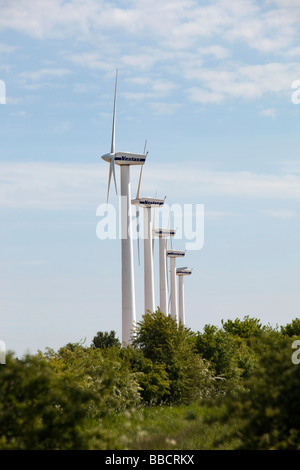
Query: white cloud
154	90
285	214
165	108
6	49
93	60
245	82
62	127
50	185
213	214
270	112
22	114
290	166
61	186
42	74
189	39
175	25
219	52
200	95
294	51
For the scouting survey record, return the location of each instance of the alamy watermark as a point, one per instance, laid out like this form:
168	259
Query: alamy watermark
2	352
186	219
296	94
295	358
2	92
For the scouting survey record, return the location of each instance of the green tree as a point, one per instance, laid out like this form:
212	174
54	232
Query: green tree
101	371
271	407
229	355
292	329
39	409
164	342
152	377
58	400
105	340
245	328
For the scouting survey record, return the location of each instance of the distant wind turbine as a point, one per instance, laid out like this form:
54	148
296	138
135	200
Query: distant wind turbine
181	272
147	203
163	234
173	254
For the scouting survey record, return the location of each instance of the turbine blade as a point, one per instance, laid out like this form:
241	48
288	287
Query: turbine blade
145	146
153	228
112	164
139	185
153	245
109	179
112	150
138	230
166	261
169	290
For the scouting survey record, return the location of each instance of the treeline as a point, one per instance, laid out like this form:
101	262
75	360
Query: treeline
62	399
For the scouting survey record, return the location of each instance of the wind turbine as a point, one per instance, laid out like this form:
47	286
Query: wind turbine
181	272
173	254
147	203
163	234
124	160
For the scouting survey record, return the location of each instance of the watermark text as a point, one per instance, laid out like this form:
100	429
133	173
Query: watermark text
296	94
2	352
128	221
295	358
2	92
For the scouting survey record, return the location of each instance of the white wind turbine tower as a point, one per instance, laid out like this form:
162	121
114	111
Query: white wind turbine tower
147	203
173	254
163	234
181	272
124	160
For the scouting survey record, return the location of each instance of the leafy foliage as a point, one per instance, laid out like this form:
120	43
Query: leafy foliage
292	329
39	409
101	372
271	409
106	340
245	328
152	377
229	387
169	345
227	352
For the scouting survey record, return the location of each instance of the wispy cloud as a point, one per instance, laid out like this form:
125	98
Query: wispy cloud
285	214
270	112
179	35
62	186
290	166
7	49
246	82
43	78
51	185
42	74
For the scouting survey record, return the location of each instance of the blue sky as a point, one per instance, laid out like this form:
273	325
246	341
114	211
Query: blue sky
209	85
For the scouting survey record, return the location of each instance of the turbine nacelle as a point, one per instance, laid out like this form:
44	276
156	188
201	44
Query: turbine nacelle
164	232
125	158
183	271
148	202
175	253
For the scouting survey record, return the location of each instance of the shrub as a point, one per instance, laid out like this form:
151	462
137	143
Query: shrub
165	343
271	408
291	329
152	377
39	409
